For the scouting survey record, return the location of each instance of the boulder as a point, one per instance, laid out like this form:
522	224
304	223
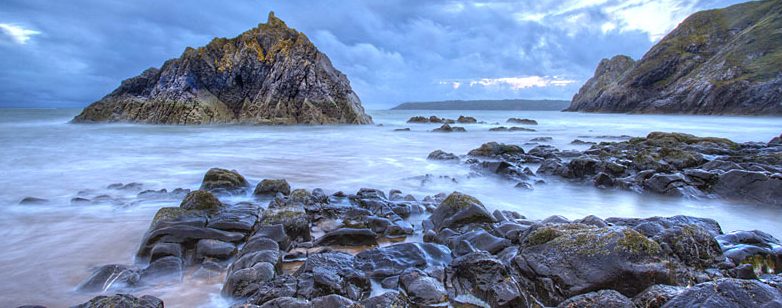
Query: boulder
423	290
564	260
466	120
270	187
388	299
496	149
200	200
728	292
656	296
218	180
110	277
522	121
442	155
122	300
482	275
752	185
688	239
459	209
756	248
602	298
392	260
332	273
348	237
293	218
449	129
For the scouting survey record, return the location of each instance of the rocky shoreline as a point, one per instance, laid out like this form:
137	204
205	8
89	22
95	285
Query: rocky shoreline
671	164
287	247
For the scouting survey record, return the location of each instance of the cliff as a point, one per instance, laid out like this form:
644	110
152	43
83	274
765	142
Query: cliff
270	74
724	61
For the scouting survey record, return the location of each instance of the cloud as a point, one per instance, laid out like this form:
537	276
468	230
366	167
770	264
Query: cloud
18	34
392	51
518	83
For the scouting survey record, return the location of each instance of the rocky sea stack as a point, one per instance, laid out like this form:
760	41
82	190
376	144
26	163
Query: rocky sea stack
270	74
725	61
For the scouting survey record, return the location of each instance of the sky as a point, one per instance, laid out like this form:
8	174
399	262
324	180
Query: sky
72	53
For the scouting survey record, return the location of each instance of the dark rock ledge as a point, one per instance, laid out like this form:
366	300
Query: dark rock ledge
672	164
311	249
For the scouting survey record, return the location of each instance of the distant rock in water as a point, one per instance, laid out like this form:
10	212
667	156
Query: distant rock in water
725	61
270	74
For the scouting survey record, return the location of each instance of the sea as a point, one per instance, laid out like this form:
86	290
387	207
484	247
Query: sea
47	249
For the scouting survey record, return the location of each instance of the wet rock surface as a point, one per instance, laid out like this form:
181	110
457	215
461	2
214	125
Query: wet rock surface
670	164
378	249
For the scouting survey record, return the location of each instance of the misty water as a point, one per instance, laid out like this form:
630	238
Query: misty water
48	249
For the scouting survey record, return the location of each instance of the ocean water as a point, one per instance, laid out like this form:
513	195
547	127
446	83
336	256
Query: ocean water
48	249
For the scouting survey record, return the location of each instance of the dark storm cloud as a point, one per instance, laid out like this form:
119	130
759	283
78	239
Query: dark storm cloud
70	53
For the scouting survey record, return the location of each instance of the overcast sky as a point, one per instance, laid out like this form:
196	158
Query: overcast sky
71	53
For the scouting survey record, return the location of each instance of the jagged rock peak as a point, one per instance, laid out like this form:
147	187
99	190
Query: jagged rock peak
270	74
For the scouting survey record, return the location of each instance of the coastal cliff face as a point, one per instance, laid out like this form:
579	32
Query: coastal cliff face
725	61
271	74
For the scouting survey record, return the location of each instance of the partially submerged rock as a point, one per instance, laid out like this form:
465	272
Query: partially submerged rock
218	180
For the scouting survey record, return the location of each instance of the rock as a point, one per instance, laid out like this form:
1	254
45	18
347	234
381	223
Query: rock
602	298
510	129
478	240
582	142
388	299
184	234
681	78
393	260
656	296
728	292
200	200
422	289
449	129
406	129
348	237
161	250
294	220
122	300
564	260
218	180
418	119
689	239
752	185
129	186
209	248
775	141
270	74
756	248
33	201
286	302
481	275
243	282
332	273
541	139
522	121
272	187
466	120
110	277
459	209
441	155
165	269
333	301
496	149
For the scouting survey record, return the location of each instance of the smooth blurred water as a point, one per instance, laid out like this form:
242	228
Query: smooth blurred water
48	249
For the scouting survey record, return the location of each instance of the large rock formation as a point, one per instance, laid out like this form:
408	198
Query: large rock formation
270	74
725	61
